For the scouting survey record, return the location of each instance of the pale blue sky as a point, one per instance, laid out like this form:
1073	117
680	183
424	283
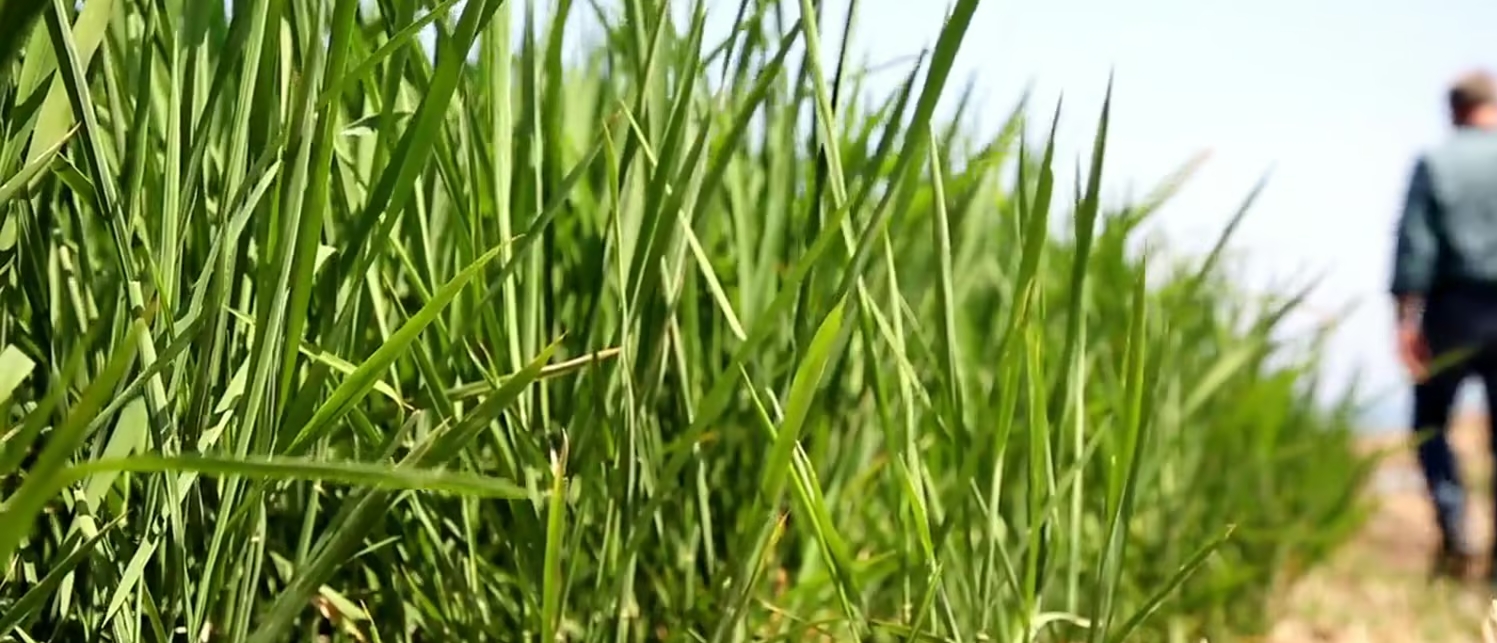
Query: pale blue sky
1335	96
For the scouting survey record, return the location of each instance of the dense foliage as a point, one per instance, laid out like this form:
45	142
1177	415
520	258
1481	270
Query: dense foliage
308	333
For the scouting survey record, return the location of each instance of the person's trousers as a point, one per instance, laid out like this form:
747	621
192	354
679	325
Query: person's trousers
1434	400
1460	320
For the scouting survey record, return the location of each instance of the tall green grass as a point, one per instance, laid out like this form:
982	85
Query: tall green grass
306	333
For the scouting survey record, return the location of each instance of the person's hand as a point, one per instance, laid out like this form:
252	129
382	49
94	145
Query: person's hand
1413	350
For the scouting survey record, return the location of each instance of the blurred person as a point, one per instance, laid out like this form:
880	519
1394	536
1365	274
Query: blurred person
1444	283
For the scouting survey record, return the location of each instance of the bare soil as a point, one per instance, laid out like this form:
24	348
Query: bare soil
1378	588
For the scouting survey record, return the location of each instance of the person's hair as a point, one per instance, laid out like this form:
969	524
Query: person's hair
1469	92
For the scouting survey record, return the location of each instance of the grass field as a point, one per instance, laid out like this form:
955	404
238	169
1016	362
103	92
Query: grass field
305	333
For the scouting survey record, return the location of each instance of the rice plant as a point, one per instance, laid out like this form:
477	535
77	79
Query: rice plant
310	335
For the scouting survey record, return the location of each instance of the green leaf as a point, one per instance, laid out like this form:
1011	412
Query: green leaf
362	380
47	475
360	512
26	176
372	475
14	367
29	606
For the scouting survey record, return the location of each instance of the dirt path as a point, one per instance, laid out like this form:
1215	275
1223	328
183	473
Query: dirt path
1377	590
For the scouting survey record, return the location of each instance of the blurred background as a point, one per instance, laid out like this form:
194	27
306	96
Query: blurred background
1333	97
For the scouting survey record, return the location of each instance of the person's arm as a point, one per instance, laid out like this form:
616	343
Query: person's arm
1416	254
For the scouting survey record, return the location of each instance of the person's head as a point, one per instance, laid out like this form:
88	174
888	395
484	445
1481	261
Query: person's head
1473	101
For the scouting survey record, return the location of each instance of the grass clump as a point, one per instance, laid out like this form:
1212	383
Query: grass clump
307	333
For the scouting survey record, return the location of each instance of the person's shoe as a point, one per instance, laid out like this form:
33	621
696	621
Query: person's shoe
1453	562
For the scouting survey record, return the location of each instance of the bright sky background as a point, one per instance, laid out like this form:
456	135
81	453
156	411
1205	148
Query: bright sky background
1334	96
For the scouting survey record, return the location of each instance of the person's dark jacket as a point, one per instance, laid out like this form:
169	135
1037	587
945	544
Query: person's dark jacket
1446	250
